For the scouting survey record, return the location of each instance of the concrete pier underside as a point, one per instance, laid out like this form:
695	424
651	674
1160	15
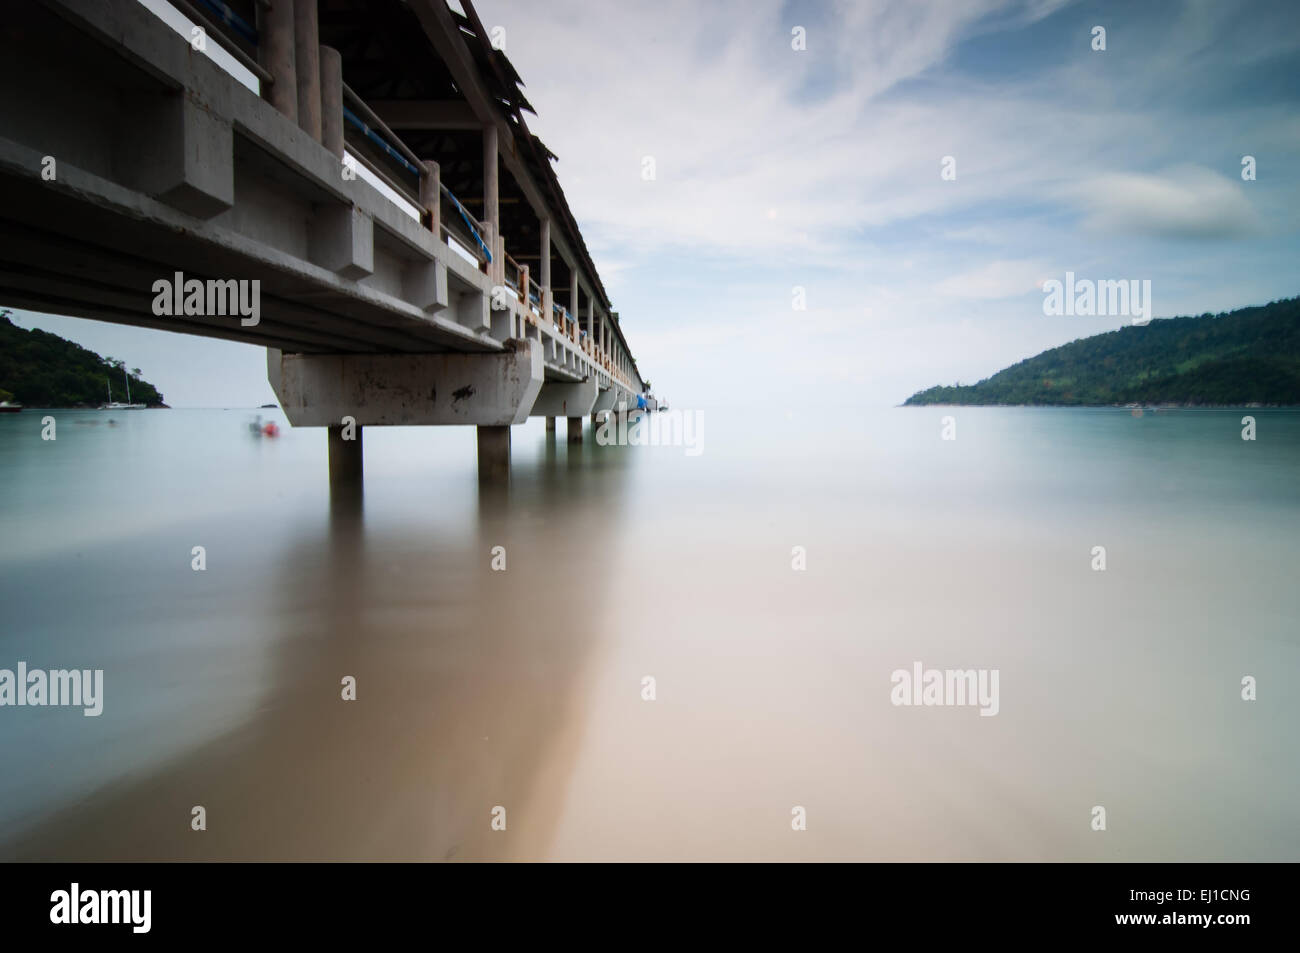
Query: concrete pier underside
170	169
489	391
559	399
493	389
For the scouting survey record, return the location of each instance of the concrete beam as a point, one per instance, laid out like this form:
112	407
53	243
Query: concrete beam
490	390
605	400
558	399
424	284
178	152
342	240
473	310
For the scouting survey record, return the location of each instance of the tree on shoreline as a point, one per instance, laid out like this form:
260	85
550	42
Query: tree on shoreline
1248	356
39	369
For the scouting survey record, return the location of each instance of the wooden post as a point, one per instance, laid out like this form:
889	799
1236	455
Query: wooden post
331	100
544	269
307	64
491	208
276	51
431	197
574	308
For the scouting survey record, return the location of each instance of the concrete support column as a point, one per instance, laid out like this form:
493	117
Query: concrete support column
277	52
575	430
493	455
306	33
345	460
331	100
574	308
550	425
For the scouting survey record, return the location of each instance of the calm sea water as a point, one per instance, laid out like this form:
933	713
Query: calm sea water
523	689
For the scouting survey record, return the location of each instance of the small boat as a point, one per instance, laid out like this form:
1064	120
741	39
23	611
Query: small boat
259	429
7	408
117	405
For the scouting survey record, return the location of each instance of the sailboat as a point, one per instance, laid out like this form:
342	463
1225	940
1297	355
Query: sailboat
117	405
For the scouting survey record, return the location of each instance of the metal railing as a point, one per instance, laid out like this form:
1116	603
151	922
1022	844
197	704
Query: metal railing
227	20
535	297
389	142
474	225
358	115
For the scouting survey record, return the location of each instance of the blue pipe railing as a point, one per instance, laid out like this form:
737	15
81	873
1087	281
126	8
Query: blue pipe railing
232	19
469	221
401	160
379	140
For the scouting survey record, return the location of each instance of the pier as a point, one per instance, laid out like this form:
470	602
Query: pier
364	169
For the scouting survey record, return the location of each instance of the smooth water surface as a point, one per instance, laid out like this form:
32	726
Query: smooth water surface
523	688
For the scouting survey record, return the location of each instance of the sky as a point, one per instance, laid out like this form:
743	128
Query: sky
787	176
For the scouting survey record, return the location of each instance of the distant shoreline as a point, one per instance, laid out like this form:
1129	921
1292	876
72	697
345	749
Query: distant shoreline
1244	358
1241	406
26	407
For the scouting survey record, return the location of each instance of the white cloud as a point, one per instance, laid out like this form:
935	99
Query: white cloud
1182	202
997	279
715	94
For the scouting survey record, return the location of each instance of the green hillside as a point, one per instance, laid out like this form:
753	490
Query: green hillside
39	369
1249	356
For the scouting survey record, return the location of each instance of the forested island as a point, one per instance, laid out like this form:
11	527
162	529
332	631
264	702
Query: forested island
1246	357
39	369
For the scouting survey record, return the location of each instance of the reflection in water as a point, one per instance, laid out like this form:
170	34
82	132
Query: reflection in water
522	688
465	679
